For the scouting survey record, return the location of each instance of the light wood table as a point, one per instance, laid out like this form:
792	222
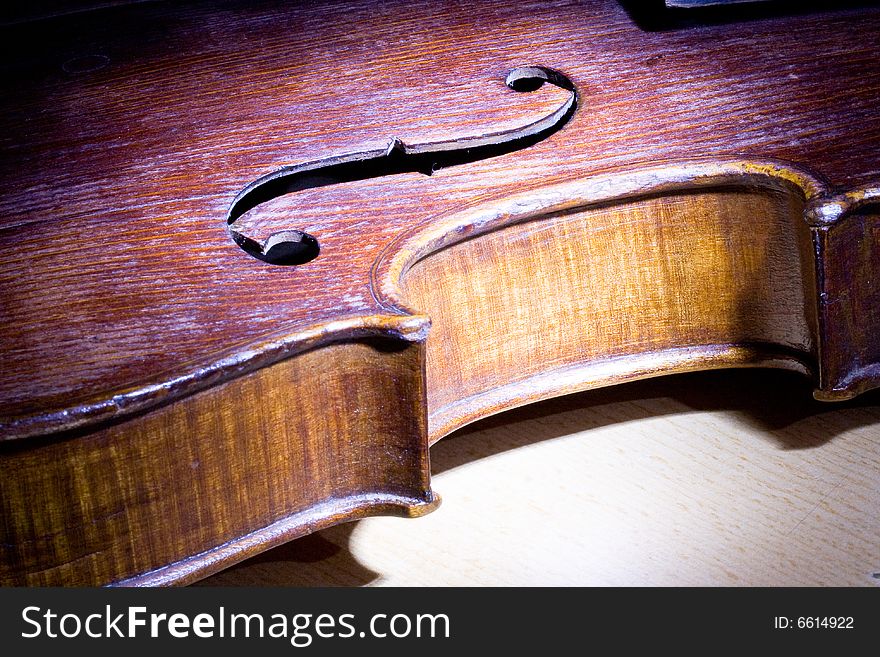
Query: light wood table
718	478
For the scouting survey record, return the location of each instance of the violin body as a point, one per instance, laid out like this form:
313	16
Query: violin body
258	257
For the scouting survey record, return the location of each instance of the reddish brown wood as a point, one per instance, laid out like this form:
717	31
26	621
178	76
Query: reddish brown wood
129	131
849	303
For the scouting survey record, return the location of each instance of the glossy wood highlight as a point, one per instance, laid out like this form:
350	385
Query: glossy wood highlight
710	202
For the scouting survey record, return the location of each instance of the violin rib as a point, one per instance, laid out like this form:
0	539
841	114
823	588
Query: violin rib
682	196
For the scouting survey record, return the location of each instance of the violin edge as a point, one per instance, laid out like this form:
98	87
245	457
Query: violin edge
371	455
356	507
826	209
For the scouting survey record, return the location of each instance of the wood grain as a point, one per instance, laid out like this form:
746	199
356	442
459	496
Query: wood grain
850	296
583	298
137	500
711	203
133	166
732	478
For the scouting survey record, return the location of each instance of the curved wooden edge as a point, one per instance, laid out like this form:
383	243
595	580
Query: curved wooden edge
211	479
611	371
561	197
824	208
857	382
318	517
846	241
556	199
832	209
408	327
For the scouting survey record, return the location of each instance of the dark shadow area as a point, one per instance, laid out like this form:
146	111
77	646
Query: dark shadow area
320	559
772	401
655	16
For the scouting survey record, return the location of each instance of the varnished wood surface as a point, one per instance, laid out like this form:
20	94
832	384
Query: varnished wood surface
187	473
170	405
730	478
518	310
131	143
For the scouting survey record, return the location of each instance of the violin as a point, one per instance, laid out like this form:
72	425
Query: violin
260	256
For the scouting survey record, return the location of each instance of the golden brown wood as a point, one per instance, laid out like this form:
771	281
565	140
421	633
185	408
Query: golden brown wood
712	202
181	475
725	478
565	300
